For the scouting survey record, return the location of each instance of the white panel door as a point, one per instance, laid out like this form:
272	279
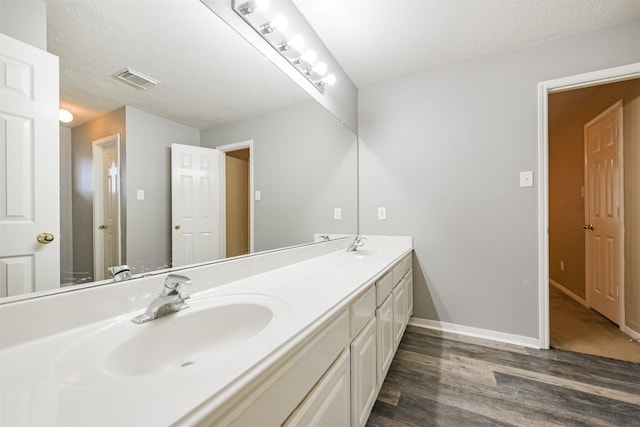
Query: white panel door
106	205
603	182
29	160
195	204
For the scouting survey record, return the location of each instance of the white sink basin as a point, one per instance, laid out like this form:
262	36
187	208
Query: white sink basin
211	330
188	337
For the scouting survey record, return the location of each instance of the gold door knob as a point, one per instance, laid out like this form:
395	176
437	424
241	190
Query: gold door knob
45	238
177	226
102	227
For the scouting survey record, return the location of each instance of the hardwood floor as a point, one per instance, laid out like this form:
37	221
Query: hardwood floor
441	379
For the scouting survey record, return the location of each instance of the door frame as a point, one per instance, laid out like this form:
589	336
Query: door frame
223	194
609	75
98	200
588	283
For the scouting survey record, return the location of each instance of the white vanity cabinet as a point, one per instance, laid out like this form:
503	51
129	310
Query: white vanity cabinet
400	317
386	347
335	378
329	404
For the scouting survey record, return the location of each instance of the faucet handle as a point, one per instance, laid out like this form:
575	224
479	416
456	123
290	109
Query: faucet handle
173	282
120	272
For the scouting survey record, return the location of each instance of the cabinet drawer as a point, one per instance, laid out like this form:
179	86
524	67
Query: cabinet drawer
363	309
384	286
271	401
401	269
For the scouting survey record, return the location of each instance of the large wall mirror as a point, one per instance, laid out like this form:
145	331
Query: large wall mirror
225	156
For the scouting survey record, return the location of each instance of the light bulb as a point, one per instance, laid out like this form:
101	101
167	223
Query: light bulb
309	57
65	115
329	79
262	5
296	42
280	23
320	68
251	6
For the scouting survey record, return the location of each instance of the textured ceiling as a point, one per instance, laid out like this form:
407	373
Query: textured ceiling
379	39
208	73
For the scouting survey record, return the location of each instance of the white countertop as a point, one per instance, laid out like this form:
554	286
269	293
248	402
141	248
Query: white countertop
42	384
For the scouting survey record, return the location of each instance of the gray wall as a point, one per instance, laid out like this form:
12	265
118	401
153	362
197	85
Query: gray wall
149	140
305	165
82	195
25	20
66	211
442	150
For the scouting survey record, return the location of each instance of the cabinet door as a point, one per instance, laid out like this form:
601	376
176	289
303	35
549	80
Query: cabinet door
410	293
386	347
364	384
329	403
399	311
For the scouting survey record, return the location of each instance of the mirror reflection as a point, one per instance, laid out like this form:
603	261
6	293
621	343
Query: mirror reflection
219	155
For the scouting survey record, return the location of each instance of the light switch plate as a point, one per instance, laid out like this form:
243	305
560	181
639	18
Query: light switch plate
337	213
526	179
140	195
258	195
382	213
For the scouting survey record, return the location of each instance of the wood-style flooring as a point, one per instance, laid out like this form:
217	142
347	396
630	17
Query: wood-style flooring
439	379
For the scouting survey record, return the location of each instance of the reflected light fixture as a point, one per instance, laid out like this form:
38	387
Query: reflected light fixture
272	27
65	116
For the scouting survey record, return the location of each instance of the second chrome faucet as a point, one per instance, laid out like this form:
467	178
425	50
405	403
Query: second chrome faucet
170	300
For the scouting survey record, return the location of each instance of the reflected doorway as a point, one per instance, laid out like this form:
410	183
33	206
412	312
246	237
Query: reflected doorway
106	205
238	198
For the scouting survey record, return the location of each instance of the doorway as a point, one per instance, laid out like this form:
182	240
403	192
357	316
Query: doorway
106	205
562	190
238	213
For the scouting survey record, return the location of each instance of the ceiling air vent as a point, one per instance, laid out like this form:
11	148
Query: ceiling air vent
135	78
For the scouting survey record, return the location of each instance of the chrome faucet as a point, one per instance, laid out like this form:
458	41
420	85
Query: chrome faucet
120	272
357	242
170	300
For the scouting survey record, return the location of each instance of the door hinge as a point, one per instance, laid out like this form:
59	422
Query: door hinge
617	291
617	132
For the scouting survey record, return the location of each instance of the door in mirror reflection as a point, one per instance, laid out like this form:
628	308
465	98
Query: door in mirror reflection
106	205
195	204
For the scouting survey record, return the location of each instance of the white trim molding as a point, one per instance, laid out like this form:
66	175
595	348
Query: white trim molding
568	293
488	334
609	75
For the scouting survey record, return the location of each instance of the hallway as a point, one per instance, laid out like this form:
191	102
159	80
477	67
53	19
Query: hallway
574	327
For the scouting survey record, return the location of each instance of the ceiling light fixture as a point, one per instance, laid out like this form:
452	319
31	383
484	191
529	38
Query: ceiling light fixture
272	27
65	116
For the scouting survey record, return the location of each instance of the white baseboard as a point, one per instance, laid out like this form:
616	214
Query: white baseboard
568	292
476	332
633	334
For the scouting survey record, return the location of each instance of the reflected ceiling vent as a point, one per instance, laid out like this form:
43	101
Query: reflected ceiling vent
135	78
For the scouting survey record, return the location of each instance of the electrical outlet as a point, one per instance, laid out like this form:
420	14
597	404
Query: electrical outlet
561	265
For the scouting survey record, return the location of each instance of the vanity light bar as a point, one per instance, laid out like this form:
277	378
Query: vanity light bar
253	12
